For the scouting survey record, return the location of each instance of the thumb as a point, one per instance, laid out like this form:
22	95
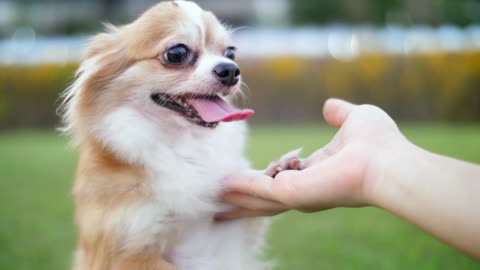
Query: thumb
336	111
327	184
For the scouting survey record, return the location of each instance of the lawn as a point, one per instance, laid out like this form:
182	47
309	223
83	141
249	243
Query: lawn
36	229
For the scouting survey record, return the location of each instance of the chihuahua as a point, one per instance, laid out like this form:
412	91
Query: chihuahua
150	113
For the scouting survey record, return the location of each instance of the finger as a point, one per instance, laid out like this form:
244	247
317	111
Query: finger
253	203
244	213
254	185
336	111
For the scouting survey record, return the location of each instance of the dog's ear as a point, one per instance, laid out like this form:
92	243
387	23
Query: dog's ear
104	43
107	51
138	40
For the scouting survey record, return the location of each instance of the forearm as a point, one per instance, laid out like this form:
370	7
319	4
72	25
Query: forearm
438	194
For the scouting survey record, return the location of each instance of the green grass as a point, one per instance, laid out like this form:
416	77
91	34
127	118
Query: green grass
36	230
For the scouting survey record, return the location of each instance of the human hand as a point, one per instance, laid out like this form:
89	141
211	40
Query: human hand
341	174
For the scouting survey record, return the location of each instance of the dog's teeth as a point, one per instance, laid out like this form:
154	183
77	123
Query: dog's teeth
190	113
211	125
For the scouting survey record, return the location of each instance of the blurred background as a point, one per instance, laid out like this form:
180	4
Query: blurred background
417	59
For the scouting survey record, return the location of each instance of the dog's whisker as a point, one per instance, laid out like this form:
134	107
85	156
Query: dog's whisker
242	93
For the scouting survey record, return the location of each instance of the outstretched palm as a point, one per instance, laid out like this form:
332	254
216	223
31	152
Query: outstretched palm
339	174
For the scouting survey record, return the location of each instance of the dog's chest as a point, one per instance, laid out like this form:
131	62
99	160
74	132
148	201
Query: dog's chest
186	180
187	177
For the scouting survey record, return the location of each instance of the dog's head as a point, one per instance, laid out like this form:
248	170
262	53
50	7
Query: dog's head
169	68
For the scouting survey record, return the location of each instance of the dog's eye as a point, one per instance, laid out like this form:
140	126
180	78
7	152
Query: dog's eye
177	54
230	53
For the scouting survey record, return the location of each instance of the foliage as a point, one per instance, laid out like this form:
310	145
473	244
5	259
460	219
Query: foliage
459	12
29	94
440	87
417	87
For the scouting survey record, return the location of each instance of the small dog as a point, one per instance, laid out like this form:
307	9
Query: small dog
147	115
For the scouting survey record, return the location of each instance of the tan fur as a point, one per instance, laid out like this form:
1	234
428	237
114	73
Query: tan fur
102	185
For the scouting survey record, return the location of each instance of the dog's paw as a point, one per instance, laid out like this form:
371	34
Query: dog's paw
290	161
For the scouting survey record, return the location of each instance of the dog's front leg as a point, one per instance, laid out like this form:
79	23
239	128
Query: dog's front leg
289	161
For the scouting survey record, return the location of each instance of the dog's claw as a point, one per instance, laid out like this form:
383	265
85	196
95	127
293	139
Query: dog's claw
290	161
294	164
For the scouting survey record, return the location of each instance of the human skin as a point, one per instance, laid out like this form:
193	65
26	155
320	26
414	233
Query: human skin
370	163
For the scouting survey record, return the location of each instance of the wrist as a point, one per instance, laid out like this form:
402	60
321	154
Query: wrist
392	166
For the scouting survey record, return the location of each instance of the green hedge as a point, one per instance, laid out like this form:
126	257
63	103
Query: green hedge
29	94
441	87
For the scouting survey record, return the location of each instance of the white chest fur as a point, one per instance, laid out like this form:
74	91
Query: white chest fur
188	175
186	167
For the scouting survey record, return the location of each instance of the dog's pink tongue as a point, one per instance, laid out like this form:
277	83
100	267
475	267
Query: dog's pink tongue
218	110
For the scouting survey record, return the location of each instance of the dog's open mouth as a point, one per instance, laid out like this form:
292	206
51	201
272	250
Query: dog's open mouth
205	111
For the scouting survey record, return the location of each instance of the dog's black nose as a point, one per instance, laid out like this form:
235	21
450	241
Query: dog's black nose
227	73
